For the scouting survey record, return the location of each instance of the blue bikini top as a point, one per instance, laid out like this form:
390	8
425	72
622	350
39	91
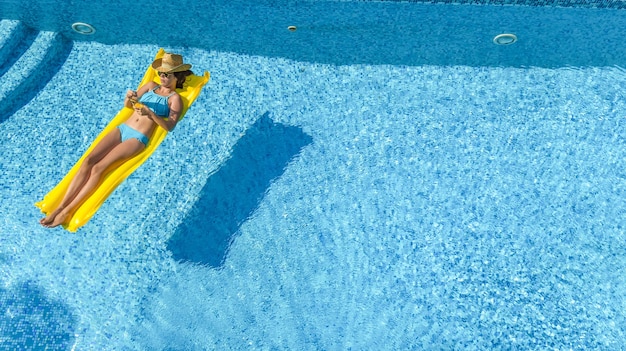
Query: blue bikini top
157	103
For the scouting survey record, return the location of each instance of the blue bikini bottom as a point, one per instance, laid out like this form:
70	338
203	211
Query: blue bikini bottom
128	132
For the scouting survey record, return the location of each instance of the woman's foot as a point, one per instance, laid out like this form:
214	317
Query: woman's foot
58	220
54	219
50	217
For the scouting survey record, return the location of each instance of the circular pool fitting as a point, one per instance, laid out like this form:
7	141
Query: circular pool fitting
83	28
505	39
292	28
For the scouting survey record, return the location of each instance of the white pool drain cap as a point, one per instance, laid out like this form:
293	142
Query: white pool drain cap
83	28
505	39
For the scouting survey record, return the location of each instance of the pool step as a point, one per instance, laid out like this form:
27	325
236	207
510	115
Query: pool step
33	59
14	39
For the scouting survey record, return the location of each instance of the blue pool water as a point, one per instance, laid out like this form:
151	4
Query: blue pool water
383	178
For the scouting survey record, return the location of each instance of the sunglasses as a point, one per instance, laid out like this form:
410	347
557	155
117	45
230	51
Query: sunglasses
167	75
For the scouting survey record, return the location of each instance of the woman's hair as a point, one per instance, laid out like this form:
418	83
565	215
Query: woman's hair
181	77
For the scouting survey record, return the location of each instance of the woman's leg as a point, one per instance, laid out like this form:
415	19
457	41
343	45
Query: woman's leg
94	172
122	151
105	145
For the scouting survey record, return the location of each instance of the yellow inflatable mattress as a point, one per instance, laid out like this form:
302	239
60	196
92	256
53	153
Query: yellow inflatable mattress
191	90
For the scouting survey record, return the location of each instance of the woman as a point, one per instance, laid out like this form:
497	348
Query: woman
156	102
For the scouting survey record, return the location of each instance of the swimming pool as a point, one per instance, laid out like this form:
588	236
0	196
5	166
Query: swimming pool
384	177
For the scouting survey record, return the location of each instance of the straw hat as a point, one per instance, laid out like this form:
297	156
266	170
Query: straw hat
170	63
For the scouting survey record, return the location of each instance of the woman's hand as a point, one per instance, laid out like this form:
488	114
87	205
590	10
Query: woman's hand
131	95
144	111
130	99
140	109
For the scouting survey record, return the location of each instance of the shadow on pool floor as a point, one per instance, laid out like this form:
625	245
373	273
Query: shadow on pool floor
232	194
